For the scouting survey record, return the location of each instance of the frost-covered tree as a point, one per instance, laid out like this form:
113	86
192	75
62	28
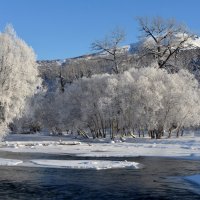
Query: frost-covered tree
85	94
139	100
33	118
156	101
163	38
18	76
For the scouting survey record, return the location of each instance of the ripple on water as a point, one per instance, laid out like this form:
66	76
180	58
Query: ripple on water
159	179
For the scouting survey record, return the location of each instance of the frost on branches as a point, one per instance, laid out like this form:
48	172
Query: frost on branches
148	99
18	76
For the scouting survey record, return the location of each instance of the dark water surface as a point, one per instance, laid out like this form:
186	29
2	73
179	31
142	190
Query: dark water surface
161	178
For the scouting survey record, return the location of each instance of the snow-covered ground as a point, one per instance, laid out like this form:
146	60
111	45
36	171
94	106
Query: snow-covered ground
186	146
183	147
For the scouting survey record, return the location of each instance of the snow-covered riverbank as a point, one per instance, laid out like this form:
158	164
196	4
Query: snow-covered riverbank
187	146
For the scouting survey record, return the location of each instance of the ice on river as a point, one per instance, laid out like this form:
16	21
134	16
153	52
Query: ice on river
71	164
9	162
87	164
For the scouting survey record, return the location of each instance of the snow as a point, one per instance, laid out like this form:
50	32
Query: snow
194	179
183	147
87	164
60	61
194	43
71	164
186	147
9	162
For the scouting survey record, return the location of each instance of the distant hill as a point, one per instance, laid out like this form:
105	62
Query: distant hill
96	63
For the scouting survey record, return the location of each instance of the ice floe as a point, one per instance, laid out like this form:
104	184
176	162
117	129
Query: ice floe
9	162
87	164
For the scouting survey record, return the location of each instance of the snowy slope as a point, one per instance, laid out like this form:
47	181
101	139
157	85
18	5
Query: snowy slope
130	48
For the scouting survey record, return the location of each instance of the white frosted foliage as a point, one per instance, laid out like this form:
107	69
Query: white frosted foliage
18	76
139	99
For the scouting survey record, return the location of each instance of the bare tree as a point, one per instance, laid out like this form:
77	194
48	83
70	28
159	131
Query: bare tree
110	45
163	38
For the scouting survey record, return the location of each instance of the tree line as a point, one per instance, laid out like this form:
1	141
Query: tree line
151	91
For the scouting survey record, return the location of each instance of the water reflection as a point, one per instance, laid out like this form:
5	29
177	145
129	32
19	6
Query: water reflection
159	179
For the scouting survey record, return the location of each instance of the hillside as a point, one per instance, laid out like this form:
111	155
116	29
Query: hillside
98	63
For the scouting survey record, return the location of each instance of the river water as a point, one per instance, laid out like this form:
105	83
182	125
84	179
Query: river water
160	178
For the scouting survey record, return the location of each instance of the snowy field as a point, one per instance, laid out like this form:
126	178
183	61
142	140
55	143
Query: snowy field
186	146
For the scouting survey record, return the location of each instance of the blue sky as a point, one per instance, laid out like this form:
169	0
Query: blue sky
58	29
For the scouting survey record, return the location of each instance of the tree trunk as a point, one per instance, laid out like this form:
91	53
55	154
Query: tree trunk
139	132
178	130
170	133
158	132
182	131
143	133
152	134
112	137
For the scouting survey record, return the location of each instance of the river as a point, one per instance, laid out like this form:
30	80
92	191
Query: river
160	178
